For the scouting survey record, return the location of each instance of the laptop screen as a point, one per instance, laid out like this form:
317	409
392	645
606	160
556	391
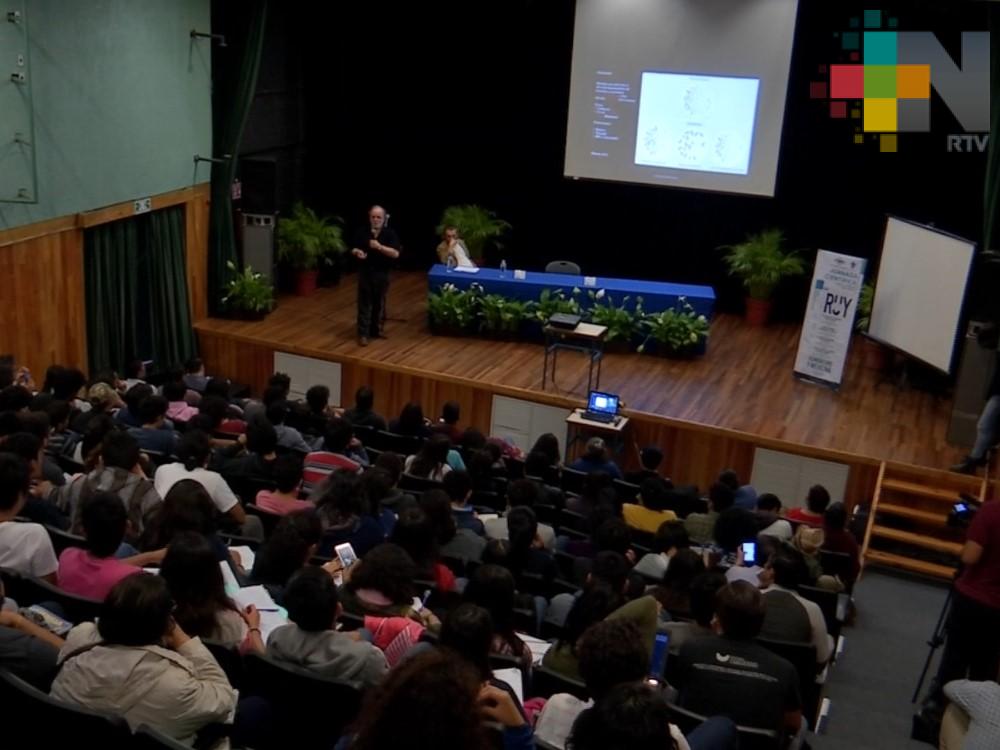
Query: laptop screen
603	402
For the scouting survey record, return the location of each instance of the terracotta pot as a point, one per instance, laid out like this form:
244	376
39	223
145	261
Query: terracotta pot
758	311
305	282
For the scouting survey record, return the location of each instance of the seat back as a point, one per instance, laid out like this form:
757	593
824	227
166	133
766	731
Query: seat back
572	480
147	738
298	696
827	601
57	724
750	738
76	609
547	514
545	683
405	445
246	488
802	656
563	266
515	467
626	491
494	501
63	540
267	519
364	433
230	661
409	482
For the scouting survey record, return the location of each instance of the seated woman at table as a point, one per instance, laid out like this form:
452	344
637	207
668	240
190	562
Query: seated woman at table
451	247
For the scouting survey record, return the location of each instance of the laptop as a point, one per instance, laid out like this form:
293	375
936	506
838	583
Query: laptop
601	407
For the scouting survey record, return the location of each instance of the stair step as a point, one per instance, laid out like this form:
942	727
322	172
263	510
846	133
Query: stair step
917	540
908	563
924	516
913	488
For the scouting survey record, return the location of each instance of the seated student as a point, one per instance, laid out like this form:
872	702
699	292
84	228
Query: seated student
651	511
92	572
744	495
178	409
194	375
731	675
702	592
611	654
769	518
492	588
155	434
788	616
836	538
256	461
37	423
311	418
139	663
548	445
609	568
345	516
527	554
595	458
24	547
521	493
674	593
447	424
376	485
214	415
27	650
415	534
288	437
650	459
289	547
287	474
411	421
397	499
129	416
37	507
202	607
311	639
363	413
701	526
538	470
483	469
438	700
816	504
135	373
431	462
458	485
103	399
195	451
462	544
670	538
341	451
61	439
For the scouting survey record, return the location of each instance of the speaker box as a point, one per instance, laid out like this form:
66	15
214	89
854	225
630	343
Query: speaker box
257	239
974	373
259	178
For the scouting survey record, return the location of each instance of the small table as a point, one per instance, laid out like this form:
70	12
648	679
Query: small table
586	337
581	428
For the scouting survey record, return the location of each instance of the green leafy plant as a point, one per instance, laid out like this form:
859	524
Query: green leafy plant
452	308
552	301
247	291
865	300
761	262
477	227
622	323
677	330
502	315
306	240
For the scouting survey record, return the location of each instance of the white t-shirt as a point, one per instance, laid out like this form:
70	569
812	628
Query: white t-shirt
26	548
555	721
170	474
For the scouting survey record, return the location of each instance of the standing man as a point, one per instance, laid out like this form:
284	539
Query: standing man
375	248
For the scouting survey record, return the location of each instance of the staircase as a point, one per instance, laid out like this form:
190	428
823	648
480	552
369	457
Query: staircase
908	523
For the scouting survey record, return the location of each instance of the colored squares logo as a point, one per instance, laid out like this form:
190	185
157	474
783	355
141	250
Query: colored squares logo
847	82
913	81
880	47
880	81
880	116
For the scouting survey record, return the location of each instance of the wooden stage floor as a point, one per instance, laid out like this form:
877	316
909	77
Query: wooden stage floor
743	383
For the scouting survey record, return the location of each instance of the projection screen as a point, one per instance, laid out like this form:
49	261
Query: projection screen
683	93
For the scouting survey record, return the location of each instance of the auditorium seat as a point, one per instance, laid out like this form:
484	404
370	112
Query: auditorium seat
751	738
563	266
267	519
626	491
364	433
63	540
147	738
515	468
572	480
26	591
545	683
404	445
230	660
803	657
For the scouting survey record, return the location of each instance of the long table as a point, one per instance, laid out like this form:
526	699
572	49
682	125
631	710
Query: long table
657	296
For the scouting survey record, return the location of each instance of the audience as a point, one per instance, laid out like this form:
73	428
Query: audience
431	462
702	593
287	475
650	459
24	547
788	616
139	663
311	639
701	526
135	373
154	434
652	510
345	518
289	547
520	493
769	518
548	445
527	554
670	538
744	496
838	539
397	499
816	503
414	533
674	593
458	485
363	413
93	571
452	541
257	461
27	650
178	409
411	421
447	424
595	458
492	588
194	375
187	507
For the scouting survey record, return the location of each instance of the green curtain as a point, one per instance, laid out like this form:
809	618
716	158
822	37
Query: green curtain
136	288
991	192
110	270
233	105
172	337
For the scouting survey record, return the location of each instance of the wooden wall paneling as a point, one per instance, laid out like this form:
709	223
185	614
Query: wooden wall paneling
249	364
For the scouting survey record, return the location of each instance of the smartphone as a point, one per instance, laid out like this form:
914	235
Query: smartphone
659	660
749	553
346	555
960	508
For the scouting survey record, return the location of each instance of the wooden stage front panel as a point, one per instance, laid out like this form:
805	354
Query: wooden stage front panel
708	413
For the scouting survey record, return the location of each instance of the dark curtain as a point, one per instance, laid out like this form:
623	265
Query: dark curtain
991	193
232	105
137	296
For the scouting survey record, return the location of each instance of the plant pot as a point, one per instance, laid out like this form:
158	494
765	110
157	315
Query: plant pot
305	282
876	356
758	311
619	346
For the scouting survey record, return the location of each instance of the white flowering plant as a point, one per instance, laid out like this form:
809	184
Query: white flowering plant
247	291
622	324
452	308
677	330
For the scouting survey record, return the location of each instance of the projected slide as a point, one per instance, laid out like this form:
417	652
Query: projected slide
696	122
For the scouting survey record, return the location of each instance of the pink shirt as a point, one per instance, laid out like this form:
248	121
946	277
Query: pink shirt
181	411
83	574
267	500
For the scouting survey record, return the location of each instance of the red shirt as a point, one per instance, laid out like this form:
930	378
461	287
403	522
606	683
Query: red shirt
981	582
804	515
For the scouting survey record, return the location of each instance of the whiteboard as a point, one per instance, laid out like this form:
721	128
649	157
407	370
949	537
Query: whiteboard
919	292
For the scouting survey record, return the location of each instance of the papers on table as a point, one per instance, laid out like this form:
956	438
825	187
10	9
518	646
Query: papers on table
229	578
269	621
466	269
246	555
514	678
258	596
538	647
484	517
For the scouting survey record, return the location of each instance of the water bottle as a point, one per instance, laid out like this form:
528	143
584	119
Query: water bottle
451	263
503	267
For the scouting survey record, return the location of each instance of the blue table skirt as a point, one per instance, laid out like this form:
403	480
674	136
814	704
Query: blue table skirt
657	296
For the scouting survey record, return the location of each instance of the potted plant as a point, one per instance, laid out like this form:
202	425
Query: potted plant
550	302
874	352
502	317
248	295
476	226
305	241
761	262
679	331
622	323
451	311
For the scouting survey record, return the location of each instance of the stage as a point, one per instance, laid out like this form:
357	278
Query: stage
741	392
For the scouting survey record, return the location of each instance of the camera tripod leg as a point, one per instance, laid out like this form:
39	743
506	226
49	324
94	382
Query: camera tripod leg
936	640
